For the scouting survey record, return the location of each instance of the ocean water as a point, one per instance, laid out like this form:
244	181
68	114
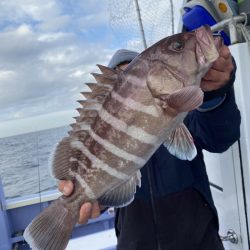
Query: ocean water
25	161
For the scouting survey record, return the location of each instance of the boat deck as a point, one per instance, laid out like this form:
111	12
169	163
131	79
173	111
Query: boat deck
17	213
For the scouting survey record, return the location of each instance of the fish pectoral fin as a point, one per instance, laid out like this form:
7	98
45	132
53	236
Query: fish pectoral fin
185	99
180	143
122	195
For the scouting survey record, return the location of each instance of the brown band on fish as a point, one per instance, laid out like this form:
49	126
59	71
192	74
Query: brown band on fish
87	120
128	89
119	112
90	178
101	157
120	138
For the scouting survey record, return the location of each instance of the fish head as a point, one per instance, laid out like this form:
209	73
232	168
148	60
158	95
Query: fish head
180	60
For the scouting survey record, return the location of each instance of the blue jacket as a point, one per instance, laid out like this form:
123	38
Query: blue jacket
214	131
173	209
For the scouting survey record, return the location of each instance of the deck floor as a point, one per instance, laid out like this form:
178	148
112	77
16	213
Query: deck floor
104	240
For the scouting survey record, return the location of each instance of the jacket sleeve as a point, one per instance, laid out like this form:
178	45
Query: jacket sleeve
216	130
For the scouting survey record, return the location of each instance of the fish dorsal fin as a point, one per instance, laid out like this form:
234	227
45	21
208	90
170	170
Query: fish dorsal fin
98	97
90	104
94	99
88	120
87	112
105	79
123	194
106	70
180	143
85	120
80	134
96	87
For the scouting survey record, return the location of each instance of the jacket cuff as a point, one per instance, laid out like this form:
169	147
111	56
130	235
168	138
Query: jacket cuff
212	104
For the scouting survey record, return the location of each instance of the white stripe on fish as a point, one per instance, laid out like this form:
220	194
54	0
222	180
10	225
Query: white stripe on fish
117	151
132	131
88	191
83	126
83	166
136	81
97	163
137	106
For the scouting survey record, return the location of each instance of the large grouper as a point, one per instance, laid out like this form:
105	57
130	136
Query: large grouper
122	122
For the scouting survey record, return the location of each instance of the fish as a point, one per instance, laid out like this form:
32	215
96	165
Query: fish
123	120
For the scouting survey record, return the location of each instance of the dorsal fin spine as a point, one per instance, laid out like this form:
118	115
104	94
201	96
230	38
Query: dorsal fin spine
94	99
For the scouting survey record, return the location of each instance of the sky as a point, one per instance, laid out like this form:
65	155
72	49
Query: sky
48	50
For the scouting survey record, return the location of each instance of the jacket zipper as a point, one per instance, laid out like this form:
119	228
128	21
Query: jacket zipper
153	205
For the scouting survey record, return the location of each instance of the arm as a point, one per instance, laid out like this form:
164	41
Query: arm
215	126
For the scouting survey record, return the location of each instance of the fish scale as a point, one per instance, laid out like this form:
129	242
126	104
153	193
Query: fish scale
124	119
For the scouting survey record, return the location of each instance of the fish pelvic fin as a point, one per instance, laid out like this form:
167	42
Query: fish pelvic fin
52	228
123	194
180	143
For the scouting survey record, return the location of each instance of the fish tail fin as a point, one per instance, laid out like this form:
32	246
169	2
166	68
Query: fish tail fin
52	228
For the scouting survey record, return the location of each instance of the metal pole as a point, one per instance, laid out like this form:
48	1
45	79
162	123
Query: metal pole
172	15
140	23
222	24
5	240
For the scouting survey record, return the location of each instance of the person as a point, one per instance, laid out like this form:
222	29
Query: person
174	209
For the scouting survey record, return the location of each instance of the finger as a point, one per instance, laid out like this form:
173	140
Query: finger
95	210
225	52
66	187
223	65
85	213
217	76
210	85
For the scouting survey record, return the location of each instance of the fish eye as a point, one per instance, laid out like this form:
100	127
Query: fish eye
178	45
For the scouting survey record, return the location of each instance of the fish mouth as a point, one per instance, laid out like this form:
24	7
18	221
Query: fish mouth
207	45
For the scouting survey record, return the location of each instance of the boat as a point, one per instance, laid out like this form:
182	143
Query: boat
230	187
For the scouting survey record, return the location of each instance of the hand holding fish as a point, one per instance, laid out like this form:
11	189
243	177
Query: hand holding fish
88	210
219	73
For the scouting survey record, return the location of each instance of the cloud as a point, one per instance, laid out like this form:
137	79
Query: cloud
48	49
43	62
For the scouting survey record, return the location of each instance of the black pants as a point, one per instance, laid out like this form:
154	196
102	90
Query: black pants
181	221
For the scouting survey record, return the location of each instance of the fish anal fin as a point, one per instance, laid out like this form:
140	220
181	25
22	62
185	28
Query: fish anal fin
123	194
180	143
